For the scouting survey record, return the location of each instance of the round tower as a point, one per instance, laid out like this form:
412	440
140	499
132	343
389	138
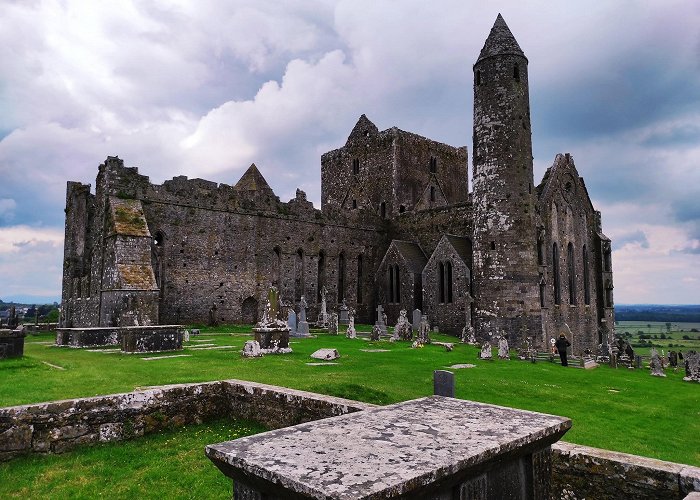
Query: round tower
506	277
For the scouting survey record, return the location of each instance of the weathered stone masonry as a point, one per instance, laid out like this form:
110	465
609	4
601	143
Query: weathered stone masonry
532	259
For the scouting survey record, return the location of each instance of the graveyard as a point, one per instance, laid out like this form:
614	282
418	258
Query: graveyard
619	409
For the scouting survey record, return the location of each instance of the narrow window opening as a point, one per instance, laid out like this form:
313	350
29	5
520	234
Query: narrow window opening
555	273
402	209
299	284
359	279
397	284
542	291
572	273
441	278
432	193
355	166
478	77
586	280
433	165
390	284
448	281
320	275
341	277
382	210
516	72
354	204
493	245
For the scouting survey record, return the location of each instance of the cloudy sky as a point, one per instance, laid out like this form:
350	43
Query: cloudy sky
204	88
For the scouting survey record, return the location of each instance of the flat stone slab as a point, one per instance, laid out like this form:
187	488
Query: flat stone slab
326	353
167	357
197	348
463	365
53	366
385	452
320	364
375	350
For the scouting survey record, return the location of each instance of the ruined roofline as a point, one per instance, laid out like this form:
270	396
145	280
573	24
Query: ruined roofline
396	133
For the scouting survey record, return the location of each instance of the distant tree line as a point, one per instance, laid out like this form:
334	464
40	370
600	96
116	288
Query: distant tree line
660	313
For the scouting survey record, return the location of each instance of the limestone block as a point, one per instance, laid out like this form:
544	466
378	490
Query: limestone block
326	354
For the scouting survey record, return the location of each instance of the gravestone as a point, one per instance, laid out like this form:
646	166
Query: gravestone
333	323
251	349
485	351
468	336
12	320
271	333
423	335
186	336
657	369
350	332
403	330
417	316
344	318
503	348
273	300
195	331
692	366
302	329
292	322
326	354
323	315
381	321
444	383
375	334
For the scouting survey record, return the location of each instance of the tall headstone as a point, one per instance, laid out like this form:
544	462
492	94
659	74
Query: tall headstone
302	324
417	316
403	327
423	335
503	352
350	332
273	300
657	369
444	383
381	323
344	318
692	366
375	334
292	322
333	323
486	351
323	315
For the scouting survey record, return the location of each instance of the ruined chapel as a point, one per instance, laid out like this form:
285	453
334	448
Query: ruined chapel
398	227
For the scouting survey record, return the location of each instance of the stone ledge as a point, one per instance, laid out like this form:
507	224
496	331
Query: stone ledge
597	473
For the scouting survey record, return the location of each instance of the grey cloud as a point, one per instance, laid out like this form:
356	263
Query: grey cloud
638	237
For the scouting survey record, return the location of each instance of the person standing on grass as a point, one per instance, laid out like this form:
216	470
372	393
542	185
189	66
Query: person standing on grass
561	345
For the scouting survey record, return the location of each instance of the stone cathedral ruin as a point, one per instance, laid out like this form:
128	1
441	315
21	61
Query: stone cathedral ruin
398	227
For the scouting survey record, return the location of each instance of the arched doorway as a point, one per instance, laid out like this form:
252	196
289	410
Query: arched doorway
249	311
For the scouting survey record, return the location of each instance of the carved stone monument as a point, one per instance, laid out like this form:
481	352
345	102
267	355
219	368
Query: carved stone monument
333	323
417	315
375	334
403	328
271	333
343	318
485	351
251	349
692	366
323	314
381	321
423	335
503	352
350	332
302	324
657	369
468	336
292	322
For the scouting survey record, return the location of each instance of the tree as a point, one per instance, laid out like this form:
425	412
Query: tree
668	327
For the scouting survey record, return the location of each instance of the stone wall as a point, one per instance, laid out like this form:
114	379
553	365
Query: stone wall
58	426
578	471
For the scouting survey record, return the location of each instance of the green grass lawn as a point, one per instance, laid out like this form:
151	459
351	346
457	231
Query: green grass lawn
623	410
170	464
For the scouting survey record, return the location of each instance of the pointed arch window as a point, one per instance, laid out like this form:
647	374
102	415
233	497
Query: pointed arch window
432	193
397	284
359	279
355	166
320	274
341	277
586	279
433	165
555	273
572	273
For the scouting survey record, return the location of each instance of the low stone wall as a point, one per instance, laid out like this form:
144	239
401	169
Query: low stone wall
58	426
580	472
153	338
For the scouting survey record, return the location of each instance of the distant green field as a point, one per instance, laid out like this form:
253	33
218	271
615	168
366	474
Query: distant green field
664	336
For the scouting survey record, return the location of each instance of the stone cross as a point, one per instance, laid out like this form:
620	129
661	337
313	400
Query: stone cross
273	300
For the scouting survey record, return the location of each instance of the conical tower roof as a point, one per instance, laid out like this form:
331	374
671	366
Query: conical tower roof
363	128
500	41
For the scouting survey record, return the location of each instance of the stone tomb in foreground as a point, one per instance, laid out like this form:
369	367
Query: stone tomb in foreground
434	447
131	338
11	343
